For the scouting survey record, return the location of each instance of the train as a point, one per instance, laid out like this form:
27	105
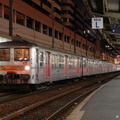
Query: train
25	64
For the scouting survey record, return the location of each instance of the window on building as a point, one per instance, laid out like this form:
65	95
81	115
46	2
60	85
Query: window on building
29	22
77	43
44	29
50	31
90	49
60	35
87	47
72	41
84	46
56	34
19	18
6	12
67	39
37	26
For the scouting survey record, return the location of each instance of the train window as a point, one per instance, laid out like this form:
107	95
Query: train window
80	63
84	63
75	62
41	59
4	54
71	62
21	54
54	60
61	61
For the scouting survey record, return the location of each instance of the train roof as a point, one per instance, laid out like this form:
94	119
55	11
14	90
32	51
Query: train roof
30	44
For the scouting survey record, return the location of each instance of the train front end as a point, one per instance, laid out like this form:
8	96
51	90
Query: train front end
14	64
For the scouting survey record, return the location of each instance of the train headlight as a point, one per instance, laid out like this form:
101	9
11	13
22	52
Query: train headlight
27	67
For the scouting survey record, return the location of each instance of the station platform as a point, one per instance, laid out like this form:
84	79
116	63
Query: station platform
102	104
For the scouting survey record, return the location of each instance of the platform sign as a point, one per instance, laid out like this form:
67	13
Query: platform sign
97	23
115	28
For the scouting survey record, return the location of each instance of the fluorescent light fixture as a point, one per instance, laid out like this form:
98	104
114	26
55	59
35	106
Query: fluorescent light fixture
3	39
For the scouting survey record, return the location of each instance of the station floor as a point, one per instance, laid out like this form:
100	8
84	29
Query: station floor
102	104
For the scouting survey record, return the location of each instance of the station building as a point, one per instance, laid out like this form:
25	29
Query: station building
58	24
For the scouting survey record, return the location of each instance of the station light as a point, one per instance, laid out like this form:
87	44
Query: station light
3	39
107	46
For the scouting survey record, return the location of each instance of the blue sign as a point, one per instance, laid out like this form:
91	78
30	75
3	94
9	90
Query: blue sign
116	28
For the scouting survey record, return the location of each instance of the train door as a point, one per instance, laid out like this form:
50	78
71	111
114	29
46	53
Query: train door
40	71
80	67
97	67
37	65
89	67
85	67
77	66
94	67
47	67
66	66
72	67
57	67
103	67
100	67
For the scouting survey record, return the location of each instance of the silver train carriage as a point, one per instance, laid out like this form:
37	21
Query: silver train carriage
22	62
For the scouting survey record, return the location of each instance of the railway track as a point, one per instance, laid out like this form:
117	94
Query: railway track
47	101
55	115
4	94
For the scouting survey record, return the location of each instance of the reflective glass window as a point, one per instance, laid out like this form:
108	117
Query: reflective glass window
21	54
4	54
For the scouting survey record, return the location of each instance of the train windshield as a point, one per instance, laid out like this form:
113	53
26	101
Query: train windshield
21	54
4	54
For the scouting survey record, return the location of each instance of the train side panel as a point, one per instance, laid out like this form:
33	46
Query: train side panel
73	67
85	67
80	73
57	66
31	64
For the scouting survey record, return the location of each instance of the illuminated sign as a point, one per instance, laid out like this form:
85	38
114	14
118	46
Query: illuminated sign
97	23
